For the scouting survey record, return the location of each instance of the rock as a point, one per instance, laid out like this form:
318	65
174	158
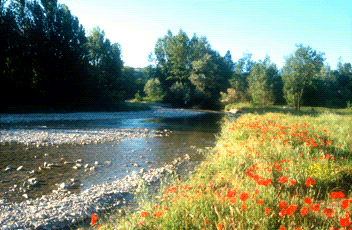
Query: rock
20	168
64	186
142	170
135	165
46	154
25	196
96	163
8	168
235	110
79	161
23	189
86	166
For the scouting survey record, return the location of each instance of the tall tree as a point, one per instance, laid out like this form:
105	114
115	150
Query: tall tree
261	82
299	70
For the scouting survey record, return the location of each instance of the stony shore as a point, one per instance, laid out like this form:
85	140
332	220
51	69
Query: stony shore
62	208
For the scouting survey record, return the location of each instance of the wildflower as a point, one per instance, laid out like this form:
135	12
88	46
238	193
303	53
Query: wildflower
244	196
158	214
267	211
308	200
291	209
260	201
282	212
292	181
156	206
243	207
219	226
338	195
231	194
315	207
344	222
282	228
94	218
282	204
166	208
309	182
304	210
329	212
140	223
211	184
144	214
344	204
282	179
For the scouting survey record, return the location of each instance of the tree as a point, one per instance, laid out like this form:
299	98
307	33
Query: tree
299	70
153	90
260	82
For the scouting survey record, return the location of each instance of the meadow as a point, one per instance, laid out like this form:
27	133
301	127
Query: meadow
270	169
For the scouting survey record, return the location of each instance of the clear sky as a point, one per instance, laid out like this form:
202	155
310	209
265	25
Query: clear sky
270	27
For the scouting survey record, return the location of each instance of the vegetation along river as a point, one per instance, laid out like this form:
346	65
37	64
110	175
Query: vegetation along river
93	148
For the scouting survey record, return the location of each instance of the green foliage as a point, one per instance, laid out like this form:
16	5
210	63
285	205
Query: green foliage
261	82
299	70
153	90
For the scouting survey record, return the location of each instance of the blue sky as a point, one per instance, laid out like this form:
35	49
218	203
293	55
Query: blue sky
260	27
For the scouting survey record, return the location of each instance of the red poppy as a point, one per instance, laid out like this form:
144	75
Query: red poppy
310	181
292	181
244	196
140	223
344	222
144	214
219	226
291	209
94	218
282	212
329	212
282	179
344	204
260	201
282	228
338	195
308	200
231	194
158	214
243	207
282	204
267	211
304	210
315	207
211	184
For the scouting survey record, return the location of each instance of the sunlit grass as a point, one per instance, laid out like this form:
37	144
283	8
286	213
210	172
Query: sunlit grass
271	171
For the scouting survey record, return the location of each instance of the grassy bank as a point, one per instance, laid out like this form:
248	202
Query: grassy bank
269	171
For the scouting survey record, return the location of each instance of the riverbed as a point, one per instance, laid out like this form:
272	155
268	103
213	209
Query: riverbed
93	148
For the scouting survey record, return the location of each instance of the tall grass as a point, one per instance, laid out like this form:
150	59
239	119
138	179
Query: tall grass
270	171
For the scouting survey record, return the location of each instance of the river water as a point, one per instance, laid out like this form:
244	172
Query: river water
115	144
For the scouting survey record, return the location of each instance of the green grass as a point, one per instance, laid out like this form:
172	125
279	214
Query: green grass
259	176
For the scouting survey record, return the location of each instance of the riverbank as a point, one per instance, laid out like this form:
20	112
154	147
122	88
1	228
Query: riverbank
41	170
270	171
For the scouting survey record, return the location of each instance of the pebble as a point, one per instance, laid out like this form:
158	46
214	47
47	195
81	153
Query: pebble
8	168
62	208
20	168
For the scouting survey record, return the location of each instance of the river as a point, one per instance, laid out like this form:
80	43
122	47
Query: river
113	144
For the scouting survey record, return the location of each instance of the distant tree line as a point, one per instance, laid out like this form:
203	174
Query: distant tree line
187	72
49	63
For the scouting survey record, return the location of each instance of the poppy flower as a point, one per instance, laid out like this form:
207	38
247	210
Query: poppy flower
158	214
292	181
282	228
140	223
282	179
211	184
308	200
94	218
291	209
304	210
344	204
144	214
260	201
309	181
219	226
344	222
244	196
329	212
243	207
231	194
267	211
282	212
315	207
338	195
282	204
